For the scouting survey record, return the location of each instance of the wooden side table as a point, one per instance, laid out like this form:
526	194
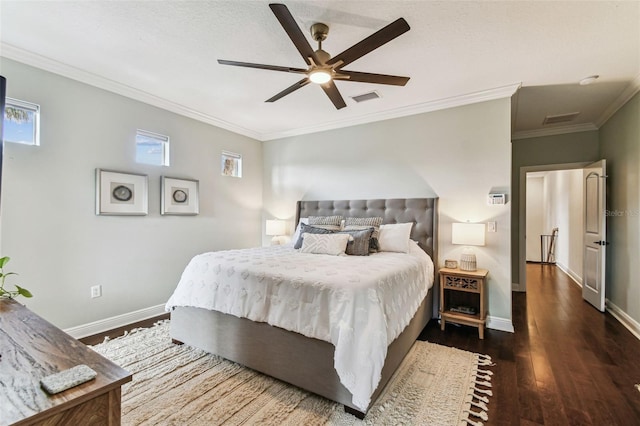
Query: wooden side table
463	289
31	348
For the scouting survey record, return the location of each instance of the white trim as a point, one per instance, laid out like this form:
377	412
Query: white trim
574	276
628	93
440	104
561	130
501	324
47	64
630	324
107	324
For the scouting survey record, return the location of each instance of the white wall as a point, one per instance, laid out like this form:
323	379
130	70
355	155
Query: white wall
564	209
49	228
576	224
458	154
535	201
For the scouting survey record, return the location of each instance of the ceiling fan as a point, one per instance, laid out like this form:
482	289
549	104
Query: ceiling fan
322	68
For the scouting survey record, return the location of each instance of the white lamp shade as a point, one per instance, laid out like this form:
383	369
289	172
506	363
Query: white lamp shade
468	234
276	227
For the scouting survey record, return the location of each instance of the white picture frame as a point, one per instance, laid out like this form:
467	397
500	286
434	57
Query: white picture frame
179	196
119	193
231	164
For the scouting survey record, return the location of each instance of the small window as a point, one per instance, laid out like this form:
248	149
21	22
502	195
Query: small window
231	164
21	122
152	148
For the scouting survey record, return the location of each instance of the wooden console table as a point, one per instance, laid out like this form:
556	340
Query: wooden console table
30	349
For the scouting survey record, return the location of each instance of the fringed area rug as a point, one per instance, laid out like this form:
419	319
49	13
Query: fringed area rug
180	385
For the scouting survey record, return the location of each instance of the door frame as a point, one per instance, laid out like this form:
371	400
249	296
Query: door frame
522	219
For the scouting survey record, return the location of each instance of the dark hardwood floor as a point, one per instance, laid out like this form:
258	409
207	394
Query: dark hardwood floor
566	363
116	332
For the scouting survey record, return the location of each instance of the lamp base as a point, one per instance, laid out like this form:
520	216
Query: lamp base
279	240
468	262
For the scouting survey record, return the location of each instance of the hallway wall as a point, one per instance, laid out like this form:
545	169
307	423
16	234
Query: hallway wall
620	139
563	209
535	198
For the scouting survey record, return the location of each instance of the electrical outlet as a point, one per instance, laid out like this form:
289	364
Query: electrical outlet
96	291
491	227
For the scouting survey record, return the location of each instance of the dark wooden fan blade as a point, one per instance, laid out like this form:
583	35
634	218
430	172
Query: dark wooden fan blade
365	77
332	92
289	89
293	31
262	66
375	40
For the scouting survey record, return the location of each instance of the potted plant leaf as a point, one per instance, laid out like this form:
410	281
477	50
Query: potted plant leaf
10	294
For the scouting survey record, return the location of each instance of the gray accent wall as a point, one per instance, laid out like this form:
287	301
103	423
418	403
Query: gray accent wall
620	146
571	148
459	155
50	230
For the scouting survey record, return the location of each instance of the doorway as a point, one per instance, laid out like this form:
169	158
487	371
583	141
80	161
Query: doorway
558	192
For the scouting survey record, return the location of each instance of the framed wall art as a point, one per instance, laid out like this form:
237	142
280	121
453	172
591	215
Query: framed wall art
231	164
179	196
121	193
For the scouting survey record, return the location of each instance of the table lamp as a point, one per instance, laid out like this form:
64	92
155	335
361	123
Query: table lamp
277	229
467	234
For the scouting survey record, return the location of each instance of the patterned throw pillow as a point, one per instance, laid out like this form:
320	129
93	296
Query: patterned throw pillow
333	244
308	229
327	222
357	223
360	244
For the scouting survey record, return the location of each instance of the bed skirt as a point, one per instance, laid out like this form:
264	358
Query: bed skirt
291	357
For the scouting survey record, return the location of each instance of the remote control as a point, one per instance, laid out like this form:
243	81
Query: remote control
66	379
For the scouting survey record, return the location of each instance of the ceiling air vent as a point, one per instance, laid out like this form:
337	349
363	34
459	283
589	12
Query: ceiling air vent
560	118
366	96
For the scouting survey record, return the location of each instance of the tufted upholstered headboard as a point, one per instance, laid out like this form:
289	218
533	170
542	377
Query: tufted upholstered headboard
421	211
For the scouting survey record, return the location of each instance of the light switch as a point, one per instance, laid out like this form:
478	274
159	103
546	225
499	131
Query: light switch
491	227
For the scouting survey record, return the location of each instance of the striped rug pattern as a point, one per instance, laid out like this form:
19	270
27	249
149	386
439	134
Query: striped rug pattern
180	385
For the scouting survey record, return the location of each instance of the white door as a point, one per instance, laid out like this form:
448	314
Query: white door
593	277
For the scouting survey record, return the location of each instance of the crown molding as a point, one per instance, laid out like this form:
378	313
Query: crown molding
626	95
440	104
574	128
47	64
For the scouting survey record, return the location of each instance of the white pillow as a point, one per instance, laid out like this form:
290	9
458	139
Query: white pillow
333	244
296	234
395	237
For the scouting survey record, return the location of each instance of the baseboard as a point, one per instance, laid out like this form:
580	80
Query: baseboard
107	324
575	277
501	324
630	324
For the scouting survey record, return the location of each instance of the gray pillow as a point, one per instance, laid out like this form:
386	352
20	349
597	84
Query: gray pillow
356	223
304	228
360	244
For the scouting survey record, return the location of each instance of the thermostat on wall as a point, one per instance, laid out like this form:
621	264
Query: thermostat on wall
493	199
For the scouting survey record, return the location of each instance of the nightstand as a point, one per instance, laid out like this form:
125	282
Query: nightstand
463	298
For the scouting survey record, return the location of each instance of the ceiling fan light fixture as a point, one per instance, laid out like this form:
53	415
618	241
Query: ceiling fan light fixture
320	76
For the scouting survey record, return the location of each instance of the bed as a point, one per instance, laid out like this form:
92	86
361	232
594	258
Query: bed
297	357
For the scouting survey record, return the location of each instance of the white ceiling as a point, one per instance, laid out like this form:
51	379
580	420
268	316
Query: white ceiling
165	53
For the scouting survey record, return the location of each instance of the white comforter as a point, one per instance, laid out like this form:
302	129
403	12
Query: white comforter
360	304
